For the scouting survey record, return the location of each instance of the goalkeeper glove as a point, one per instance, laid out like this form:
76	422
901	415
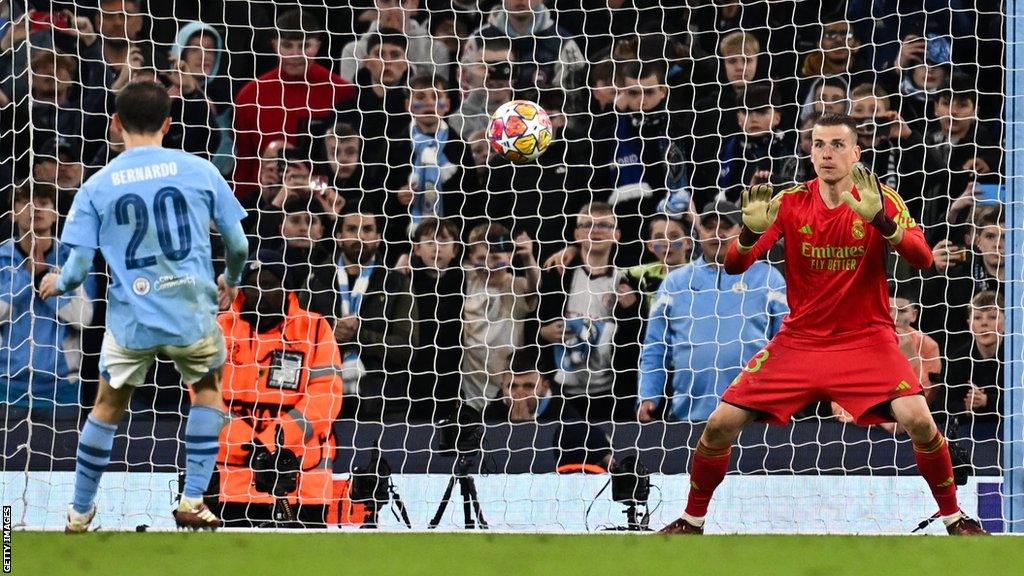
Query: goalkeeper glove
759	208
870	190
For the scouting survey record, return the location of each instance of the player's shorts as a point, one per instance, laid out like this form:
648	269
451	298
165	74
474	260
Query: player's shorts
121	366
778	381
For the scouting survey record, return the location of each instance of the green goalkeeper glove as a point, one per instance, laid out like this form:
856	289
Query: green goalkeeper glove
870	190
760	208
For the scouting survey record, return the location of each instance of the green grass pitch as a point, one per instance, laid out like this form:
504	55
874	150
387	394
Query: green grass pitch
202	554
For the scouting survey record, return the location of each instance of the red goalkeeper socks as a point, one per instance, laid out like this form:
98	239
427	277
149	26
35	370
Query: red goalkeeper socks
936	467
708	471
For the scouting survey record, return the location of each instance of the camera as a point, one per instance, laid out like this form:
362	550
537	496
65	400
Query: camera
369	484
458	437
372	487
277	473
631	482
963	469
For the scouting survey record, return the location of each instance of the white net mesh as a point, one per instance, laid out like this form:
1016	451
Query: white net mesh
519	300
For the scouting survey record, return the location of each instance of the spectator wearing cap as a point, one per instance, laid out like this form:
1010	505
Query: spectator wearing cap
282	388
272	106
487	81
427	54
40	340
59	162
303	227
500	294
706	323
579	312
379	113
374	317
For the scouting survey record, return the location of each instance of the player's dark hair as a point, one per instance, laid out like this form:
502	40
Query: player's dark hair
142	107
387	36
297	25
835	119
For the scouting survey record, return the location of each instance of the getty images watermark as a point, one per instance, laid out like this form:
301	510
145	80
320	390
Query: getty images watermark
7	539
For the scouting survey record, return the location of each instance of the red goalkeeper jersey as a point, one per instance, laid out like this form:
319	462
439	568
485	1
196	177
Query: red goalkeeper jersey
835	268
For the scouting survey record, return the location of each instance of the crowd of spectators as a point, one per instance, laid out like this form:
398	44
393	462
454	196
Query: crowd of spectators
355	138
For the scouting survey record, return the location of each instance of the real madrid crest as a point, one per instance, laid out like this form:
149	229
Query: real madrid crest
858	229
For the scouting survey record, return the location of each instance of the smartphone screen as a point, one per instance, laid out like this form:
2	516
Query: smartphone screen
989	194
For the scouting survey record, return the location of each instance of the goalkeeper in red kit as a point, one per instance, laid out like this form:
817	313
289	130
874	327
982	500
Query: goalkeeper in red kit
838	342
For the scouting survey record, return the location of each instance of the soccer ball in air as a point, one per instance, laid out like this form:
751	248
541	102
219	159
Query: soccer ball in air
520	131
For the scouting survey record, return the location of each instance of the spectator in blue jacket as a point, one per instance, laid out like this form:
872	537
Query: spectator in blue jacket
705	323
40	350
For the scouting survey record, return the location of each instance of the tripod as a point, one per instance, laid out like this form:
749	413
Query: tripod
373	507
470	501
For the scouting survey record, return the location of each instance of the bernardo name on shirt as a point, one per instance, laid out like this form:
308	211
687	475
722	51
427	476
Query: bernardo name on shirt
142	173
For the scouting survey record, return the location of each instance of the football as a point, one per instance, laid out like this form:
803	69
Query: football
520	130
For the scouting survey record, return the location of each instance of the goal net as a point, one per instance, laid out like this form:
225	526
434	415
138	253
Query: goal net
545	340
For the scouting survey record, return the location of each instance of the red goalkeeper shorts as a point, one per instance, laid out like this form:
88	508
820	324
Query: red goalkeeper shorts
779	380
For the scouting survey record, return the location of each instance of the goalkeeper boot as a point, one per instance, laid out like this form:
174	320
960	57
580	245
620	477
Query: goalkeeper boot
681	526
195	516
79	523
966	527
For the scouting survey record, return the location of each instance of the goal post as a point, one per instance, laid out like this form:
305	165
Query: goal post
1013	427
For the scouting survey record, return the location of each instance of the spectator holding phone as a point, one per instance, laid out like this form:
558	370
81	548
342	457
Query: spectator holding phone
501	292
896	152
923	68
958	275
970	152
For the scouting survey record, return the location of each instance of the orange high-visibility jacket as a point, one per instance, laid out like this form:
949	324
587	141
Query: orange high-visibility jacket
288	378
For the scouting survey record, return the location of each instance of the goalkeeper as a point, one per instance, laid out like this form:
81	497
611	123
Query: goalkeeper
839	342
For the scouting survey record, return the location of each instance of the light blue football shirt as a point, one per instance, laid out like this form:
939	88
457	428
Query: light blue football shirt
149	213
